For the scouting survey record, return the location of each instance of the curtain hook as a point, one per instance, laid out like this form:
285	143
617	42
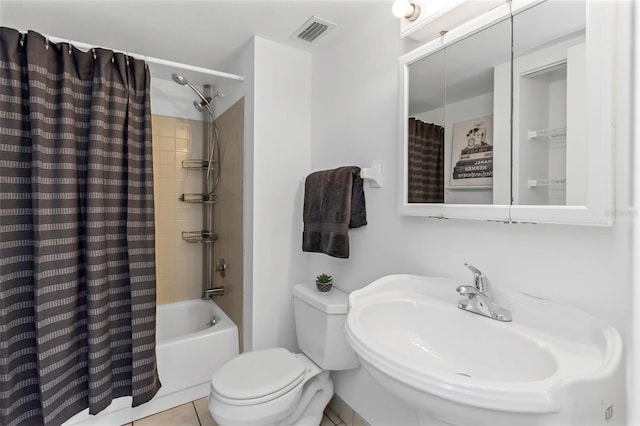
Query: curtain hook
126	58
95	56
22	37
46	42
70	47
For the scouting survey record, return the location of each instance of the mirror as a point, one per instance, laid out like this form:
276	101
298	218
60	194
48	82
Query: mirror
476	117
455	119
509	116
549	116
425	133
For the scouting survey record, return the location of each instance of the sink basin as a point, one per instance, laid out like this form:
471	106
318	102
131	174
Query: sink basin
405	333
552	364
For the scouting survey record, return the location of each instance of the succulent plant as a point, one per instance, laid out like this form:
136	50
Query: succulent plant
323	279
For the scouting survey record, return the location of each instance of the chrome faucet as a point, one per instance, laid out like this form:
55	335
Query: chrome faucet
217	291
480	298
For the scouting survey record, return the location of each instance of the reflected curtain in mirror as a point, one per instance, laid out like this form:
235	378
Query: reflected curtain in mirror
426	162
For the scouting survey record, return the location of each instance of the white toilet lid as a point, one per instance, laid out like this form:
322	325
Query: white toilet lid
258	376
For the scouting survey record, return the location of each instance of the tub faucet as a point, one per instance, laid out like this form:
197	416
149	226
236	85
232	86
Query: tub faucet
217	291
480	298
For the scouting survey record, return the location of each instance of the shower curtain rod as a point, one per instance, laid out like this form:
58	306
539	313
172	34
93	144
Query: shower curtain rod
81	45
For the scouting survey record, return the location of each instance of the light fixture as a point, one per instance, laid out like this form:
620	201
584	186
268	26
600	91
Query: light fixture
405	9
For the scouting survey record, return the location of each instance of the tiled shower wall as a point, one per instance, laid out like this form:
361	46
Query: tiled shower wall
178	264
227	212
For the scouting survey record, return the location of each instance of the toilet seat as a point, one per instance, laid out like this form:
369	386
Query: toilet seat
258	377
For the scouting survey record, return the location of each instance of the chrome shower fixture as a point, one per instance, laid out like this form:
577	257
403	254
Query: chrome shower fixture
205	101
199	105
211	163
204	104
179	79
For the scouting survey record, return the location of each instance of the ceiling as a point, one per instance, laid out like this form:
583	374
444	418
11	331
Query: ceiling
206	33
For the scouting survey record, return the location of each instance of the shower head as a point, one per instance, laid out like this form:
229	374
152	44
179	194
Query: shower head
205	101
178	78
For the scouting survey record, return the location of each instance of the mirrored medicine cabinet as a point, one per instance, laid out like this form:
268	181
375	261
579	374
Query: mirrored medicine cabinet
509	118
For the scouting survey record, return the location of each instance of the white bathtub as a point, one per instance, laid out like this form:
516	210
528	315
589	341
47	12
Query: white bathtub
188	352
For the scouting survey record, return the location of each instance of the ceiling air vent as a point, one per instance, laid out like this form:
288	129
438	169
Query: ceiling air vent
312	30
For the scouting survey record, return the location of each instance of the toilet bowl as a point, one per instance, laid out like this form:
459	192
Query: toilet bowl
276	387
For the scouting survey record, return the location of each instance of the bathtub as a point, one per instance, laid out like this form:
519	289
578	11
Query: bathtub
188	352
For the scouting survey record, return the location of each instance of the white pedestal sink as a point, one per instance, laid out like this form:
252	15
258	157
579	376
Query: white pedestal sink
552	365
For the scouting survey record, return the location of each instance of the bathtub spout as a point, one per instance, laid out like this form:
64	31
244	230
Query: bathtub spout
218	291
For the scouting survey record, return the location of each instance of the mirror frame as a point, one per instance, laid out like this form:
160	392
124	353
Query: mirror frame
598	209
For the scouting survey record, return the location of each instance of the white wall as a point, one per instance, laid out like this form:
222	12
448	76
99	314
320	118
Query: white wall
245	66
354	121
634	382
277	158
354	92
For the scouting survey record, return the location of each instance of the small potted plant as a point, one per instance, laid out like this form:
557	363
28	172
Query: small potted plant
324	282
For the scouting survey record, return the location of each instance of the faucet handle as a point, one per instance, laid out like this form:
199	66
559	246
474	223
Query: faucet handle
480	280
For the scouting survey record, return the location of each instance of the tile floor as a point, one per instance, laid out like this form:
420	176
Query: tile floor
339	413
196	413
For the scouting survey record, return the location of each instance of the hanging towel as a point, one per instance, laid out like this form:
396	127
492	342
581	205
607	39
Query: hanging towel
333	203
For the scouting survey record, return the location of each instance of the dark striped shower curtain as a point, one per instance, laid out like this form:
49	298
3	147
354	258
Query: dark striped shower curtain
77	277
426	162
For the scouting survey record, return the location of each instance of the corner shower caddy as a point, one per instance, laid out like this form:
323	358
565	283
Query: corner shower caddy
196	198
206	236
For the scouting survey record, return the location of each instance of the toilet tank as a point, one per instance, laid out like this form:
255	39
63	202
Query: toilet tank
320	319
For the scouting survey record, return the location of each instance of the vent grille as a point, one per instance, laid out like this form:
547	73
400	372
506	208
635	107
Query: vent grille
312	30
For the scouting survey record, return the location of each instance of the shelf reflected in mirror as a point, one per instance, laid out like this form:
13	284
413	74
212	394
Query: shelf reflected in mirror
549	92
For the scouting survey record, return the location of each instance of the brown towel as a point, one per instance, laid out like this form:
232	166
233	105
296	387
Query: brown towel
333	203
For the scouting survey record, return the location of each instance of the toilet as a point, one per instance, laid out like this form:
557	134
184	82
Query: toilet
276	387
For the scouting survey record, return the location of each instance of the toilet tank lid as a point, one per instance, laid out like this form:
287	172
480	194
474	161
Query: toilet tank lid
334	301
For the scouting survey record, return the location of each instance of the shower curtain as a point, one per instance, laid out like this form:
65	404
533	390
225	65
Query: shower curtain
426	162
77	277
